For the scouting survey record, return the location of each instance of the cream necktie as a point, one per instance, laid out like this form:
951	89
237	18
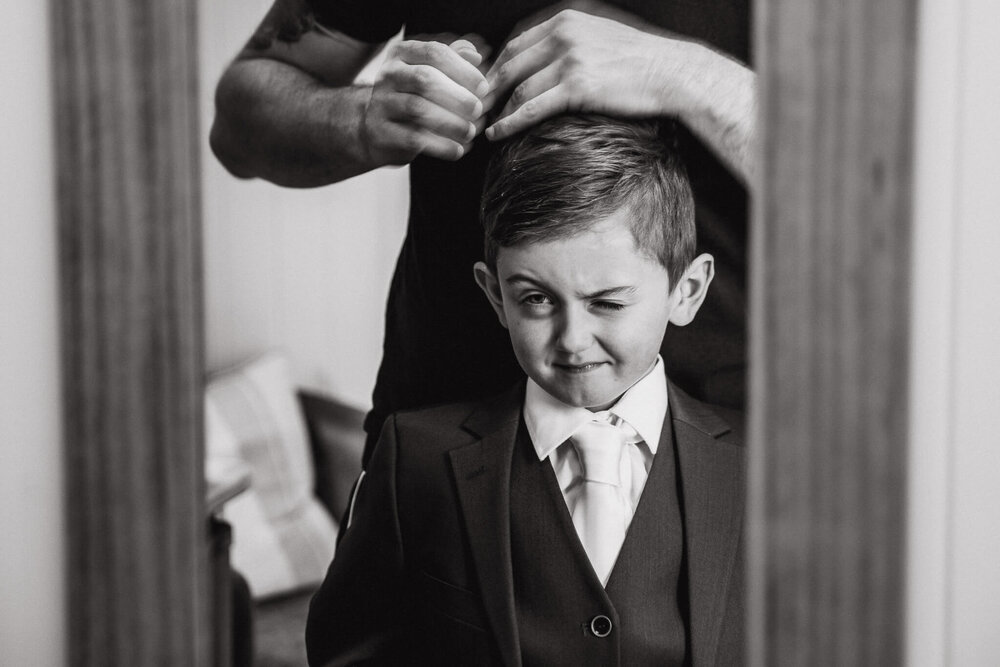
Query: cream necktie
602	512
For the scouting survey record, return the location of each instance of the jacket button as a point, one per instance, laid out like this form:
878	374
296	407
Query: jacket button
600	626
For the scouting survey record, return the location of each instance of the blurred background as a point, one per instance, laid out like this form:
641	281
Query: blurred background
304	271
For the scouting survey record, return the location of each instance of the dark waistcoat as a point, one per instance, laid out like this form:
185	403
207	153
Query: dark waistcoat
558	595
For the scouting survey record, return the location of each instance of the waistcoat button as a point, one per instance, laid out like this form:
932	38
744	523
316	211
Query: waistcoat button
600	626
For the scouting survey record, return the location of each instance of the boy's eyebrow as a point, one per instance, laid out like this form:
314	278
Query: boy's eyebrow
520	278
622	290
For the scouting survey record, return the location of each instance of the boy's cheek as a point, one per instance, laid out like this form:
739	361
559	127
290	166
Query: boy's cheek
525	339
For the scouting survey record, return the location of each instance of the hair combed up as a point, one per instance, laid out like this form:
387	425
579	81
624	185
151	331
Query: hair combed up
570	172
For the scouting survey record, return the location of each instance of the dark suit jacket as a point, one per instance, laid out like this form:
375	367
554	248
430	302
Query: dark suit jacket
423	573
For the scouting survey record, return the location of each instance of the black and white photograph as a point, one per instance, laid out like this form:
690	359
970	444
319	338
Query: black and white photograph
580	333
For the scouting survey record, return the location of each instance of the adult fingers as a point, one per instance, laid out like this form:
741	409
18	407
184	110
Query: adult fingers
468	51
547	103
480	43
549	77
516	69
519	45
407	142
444	149
425	116
444	59
431	84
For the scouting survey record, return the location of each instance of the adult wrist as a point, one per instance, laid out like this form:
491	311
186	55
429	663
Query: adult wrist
691	78
363	151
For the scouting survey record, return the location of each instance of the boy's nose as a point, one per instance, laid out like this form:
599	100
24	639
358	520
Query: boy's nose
575	334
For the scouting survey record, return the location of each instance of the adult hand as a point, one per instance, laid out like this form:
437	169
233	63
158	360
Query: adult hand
426	100
576	61
580	62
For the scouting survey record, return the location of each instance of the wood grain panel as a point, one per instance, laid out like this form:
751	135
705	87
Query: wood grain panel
129	215
831	237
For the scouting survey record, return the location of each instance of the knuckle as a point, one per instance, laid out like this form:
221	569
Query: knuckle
390	70
415	107
530	110
434	51
513	46
565	26
563	16
504	71
572	60
412	142
519	96
422	78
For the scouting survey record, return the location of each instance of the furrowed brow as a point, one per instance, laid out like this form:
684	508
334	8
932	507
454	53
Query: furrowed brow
624	290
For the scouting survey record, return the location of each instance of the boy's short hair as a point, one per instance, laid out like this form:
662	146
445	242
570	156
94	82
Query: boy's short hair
569	172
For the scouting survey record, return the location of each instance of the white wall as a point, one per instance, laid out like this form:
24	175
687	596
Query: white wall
32	581
954	525
306	271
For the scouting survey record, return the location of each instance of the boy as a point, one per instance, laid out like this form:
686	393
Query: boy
511	531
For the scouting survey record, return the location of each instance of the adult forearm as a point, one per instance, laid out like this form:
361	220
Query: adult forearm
722	109
275	122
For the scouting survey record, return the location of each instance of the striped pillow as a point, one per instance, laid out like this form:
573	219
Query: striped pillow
283	538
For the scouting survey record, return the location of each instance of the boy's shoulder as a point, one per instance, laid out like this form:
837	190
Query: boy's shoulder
724	424
451	424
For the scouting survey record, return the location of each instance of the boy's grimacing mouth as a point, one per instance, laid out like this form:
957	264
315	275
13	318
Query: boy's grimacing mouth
579	368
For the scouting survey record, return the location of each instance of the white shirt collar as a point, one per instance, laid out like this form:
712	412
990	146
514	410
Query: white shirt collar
551	422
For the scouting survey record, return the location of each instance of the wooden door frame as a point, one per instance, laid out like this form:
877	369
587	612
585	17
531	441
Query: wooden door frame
129	215
829	331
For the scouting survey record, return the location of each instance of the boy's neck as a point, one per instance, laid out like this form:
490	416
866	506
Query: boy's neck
550	421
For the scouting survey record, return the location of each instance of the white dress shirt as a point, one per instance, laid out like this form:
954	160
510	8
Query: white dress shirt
551	422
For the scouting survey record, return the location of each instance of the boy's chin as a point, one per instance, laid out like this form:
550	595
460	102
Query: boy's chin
593	401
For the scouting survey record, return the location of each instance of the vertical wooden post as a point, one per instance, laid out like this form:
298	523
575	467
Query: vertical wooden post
829	331
129	216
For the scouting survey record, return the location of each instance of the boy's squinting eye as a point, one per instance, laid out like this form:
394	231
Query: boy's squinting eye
609	305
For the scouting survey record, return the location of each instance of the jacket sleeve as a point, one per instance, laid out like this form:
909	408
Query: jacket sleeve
359	613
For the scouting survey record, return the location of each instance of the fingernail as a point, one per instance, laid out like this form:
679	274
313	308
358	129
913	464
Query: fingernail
477	110
490	131
482	88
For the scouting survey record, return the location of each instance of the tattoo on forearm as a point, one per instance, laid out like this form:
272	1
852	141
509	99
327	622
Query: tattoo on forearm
286	21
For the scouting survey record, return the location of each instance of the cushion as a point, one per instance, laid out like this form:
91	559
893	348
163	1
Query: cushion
283	538
338	440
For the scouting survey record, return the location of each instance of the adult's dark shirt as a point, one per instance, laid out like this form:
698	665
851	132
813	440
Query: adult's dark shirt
442	340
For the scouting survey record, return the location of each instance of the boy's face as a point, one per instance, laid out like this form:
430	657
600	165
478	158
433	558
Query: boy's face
587	313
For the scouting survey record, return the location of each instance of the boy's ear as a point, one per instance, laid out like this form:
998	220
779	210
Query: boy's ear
487	281
691	290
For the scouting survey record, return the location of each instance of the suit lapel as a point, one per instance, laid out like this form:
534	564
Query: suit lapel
712	489
482	477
